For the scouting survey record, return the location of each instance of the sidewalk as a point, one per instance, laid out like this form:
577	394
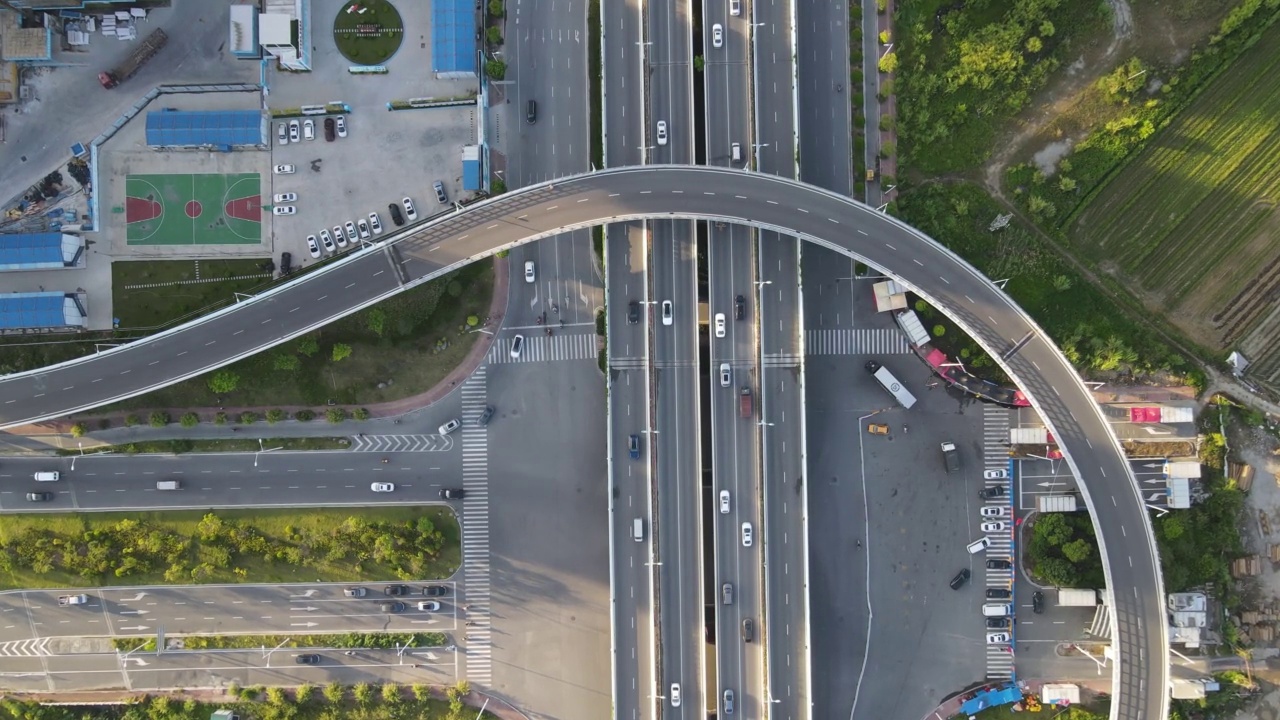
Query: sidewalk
61	429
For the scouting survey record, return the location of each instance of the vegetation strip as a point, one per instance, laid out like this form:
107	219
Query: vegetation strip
379	641
217	446
228	546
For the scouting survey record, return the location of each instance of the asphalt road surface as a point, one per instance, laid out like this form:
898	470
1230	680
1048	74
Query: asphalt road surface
944	280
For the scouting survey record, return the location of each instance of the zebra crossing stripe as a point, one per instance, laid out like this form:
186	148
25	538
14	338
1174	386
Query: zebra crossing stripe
856	341
475	532
545	348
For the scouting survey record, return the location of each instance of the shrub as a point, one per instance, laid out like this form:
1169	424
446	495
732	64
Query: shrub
335	415
495	8
494	36
360	414
248	417
78	430
159	418
304	415
130	420
495	69
189	420
224	381
284	361
341	351
220	418
275	415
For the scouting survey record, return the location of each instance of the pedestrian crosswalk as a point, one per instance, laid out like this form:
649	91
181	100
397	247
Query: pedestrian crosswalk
545	348
856	341
995	456
475	533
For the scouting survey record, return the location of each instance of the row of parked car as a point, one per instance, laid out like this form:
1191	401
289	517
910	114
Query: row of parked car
297	131
351	233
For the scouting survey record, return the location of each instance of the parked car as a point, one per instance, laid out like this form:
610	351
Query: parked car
995	474
960	579
284	210
435	590
997	638
998	594
341	121
1037	602
382	487
339	236
452	493
392	607
409	210
286	169
992	511
396	590
439	188
327	241
308	659
294	128
396	217
313	247
308	129
285	197
363	228
993	526
719	321
428	606
662	132
997	623
996	564
991	492
286	263
329	132
355	592
282	133
351	231
450	425
375	222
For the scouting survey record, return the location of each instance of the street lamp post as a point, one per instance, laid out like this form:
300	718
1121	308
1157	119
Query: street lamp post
79	445
267	653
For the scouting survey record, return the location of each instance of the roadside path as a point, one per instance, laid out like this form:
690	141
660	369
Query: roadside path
41	436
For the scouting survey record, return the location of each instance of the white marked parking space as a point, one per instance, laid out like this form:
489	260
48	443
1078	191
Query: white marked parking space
995	457
475	531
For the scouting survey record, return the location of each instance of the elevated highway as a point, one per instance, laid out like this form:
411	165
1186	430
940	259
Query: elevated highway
1140	675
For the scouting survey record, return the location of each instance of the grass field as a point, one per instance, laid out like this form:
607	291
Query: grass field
287	526
1191	222
178	294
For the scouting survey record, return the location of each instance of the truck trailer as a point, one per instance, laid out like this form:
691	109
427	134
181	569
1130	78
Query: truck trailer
890	383
147	49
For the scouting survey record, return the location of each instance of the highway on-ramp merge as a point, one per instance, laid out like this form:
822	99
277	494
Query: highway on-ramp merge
1135	589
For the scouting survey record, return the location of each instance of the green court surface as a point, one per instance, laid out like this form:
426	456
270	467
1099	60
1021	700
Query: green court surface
189	209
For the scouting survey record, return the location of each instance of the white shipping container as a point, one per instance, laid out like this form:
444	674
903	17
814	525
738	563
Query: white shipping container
1177	415
1029	436
1056	503
1182	469
1077	598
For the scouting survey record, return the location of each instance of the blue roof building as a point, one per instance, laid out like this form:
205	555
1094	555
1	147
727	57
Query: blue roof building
205	128
453	39
40	251
40	311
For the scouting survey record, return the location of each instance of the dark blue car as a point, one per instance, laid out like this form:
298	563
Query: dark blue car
634	447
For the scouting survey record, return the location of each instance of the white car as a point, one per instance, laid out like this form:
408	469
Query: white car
284	210
450	426
529	275
308	129
998	638
364	229
339	237
517	344
294	128
286	197
282	133
342	126
328	241
382	487
286	169
409	210
717	35
735	7
351	231
662	132
719	325
726	376
375	222
724	502
992	511
675	694
666	312
313	246
993	526
429	606
995	474
746	534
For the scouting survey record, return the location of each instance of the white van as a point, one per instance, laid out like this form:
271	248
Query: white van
168	485
637	530
735	152
47	476
978	545
995	610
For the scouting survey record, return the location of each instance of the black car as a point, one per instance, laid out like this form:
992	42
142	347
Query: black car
532	114
396	590
39	496
452	494
960	579
633	312
396	216
329	133
307	659
997	623
991	492
286	263
748	630
1037	602
486	416
392	607
435	591
998	594
739	308
999	565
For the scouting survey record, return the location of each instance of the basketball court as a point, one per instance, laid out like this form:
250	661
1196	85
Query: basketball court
193	209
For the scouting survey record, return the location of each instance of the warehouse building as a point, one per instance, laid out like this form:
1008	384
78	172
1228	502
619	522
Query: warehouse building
40	251
207	129
36	312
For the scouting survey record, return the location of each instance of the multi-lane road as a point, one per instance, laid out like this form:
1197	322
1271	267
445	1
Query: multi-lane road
985	312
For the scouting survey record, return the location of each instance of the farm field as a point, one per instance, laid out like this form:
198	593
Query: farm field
1192	224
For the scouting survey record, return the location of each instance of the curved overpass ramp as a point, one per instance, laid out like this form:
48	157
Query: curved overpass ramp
1140	675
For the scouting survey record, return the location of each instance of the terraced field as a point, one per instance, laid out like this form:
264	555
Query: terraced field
1192	222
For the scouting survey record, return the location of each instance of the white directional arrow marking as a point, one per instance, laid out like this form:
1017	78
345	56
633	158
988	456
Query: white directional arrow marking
135	598
134	612
1157	481
1153	465
424	622
137	627
140	661
306	594
305	624
305	609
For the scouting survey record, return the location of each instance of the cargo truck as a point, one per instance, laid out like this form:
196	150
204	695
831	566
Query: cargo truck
890	383
1077	598
65	600
950	456
139	57
744	402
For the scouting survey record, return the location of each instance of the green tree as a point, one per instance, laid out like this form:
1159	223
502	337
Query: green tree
159	418
939	330
421	692
1034	45
308	346
275	696
888	63
494	36
224	381
1047	29
335	415
341	351
1061	283
391	693
304	415
362	692
189	420
376	319
699	63
302	694
495	69
334	693
1077	551
495	8
884	37
1066	184
286	362
79	429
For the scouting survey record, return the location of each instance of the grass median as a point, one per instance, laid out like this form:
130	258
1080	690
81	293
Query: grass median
383	641
178	447
231	546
